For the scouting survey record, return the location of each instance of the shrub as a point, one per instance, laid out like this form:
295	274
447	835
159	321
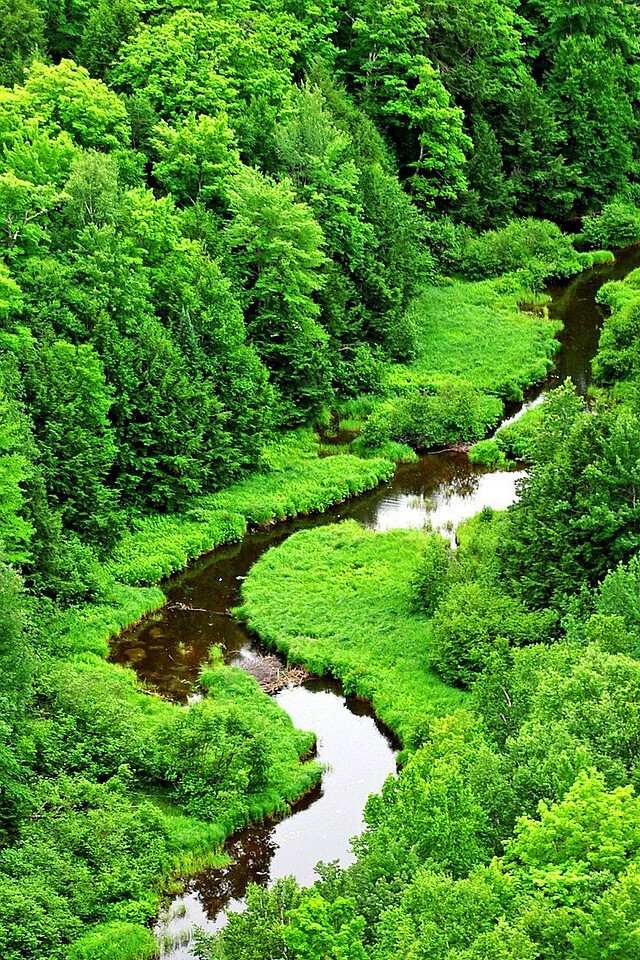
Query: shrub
428	583
617	225
474	620
451	413
515	440
536	250
486	453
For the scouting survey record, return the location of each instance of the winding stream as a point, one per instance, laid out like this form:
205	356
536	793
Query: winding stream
169	647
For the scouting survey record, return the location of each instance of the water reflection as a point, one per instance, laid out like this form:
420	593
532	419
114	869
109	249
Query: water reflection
359	755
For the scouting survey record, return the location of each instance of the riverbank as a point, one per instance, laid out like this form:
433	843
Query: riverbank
444	488
299	483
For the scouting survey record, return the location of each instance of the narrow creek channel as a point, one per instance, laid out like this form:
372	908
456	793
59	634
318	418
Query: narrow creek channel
169	647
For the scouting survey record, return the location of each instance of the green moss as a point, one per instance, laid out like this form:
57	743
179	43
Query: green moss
338	600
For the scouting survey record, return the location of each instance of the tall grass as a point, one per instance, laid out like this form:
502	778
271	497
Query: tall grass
338	600
87	629
159	546
477	331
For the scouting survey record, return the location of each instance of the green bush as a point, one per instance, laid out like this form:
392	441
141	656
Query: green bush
486	453
472	622
428	582
616	225
451	413
515	440
536	250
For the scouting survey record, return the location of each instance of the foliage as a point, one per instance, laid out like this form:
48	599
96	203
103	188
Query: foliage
428	581
475	621
517	439
487	453
616	225
427	418
536	251
583	485
217	221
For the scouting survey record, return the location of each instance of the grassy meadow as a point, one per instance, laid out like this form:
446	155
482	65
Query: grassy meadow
477	331
338	600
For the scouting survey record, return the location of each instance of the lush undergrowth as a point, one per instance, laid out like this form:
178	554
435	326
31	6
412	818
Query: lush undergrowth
475	349
339	600
101	757
127	788
477	342
512	442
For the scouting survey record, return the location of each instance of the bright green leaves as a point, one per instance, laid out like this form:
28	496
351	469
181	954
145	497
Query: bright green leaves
24	207
16	529
209	65
197	157
442	143
65	97
329	930
92	189
10	295
590	832
279	251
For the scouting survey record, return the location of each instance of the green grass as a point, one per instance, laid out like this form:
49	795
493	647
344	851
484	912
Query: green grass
87	629
115	940
160	546
477	331
97	711
338	600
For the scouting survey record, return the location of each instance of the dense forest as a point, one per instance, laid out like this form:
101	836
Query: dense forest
221	225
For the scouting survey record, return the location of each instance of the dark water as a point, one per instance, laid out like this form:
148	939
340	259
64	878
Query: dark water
167	649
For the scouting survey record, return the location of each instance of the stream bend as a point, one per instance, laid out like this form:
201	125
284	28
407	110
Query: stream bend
169	647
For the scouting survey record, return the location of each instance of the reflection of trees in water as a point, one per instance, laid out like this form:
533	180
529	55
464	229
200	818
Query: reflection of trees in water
251	851
167	650
435	477
461	486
